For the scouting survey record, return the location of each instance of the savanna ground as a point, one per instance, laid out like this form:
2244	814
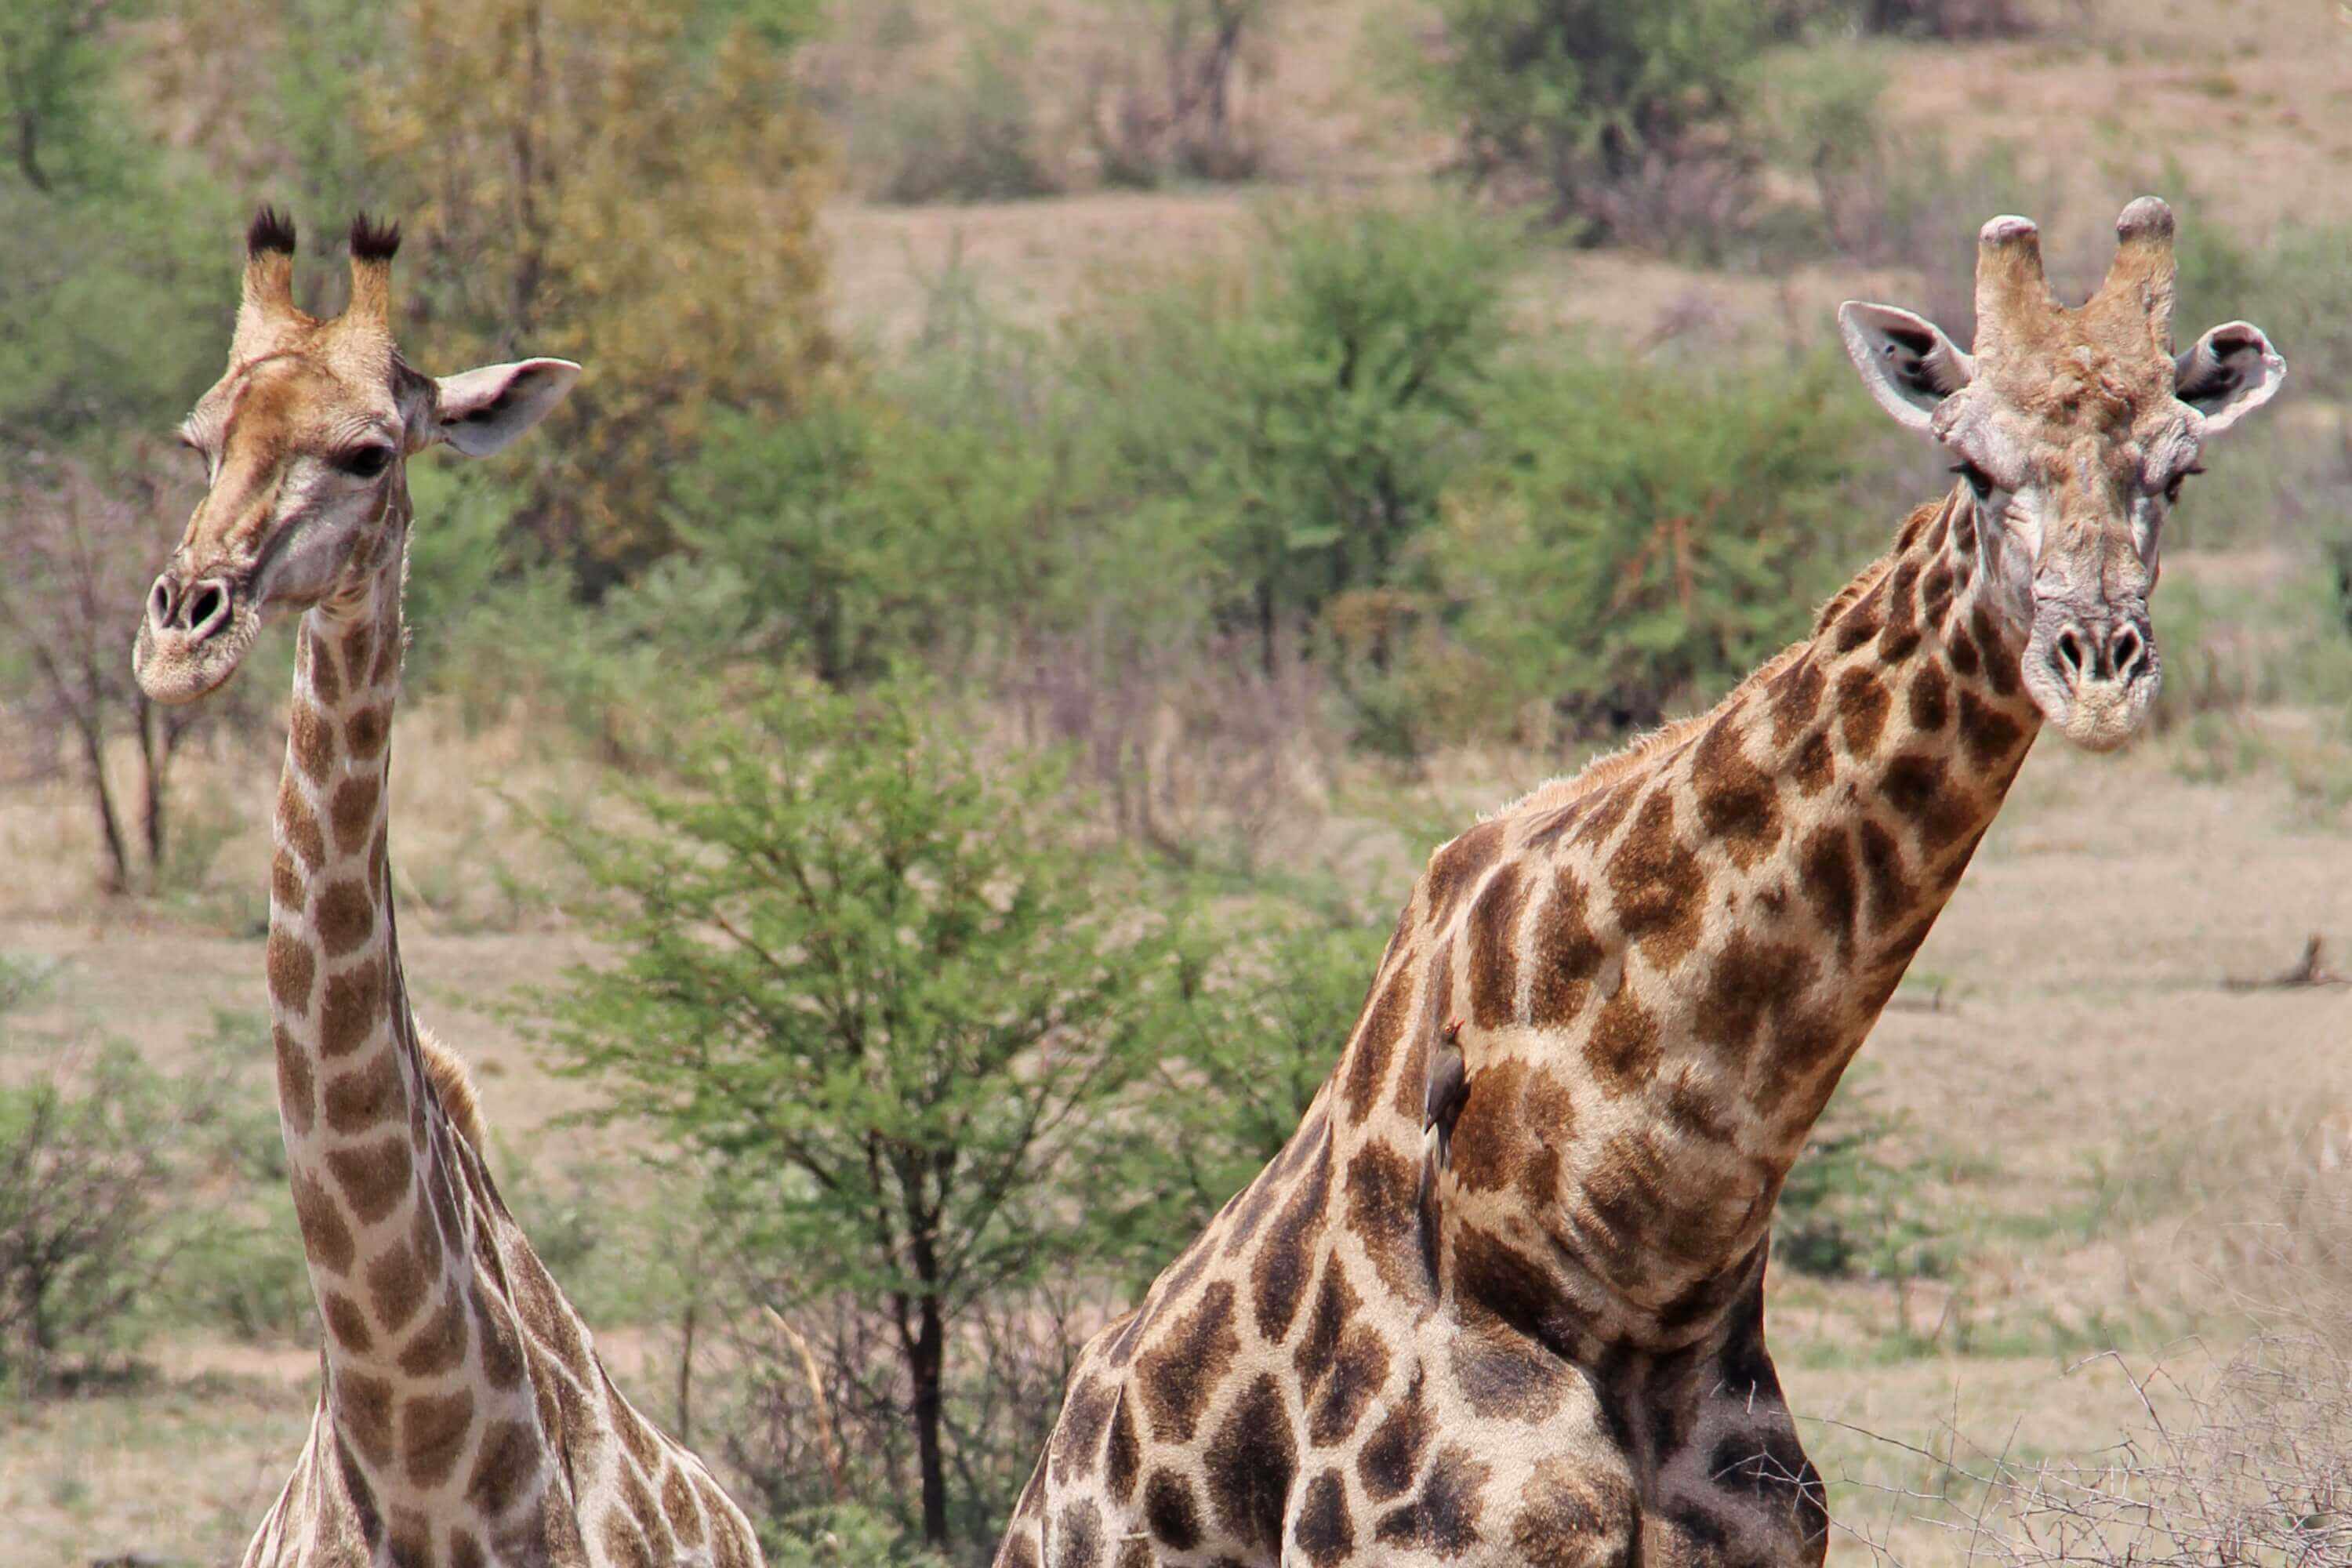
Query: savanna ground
2098	1129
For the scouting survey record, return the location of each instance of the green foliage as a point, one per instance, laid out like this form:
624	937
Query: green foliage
839	940
79	1178
78	266
865	530
1303	420
55	67
843	1535
867	990
1849	1209
1618	567
1263	1020
1574	100
130	1197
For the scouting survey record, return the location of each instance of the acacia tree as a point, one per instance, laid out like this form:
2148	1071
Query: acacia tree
880	1004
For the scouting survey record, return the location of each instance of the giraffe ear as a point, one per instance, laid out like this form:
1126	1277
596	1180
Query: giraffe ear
2228	374
1906	361
480	411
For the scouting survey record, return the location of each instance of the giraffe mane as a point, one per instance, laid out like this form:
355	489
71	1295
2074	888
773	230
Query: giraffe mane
453	1086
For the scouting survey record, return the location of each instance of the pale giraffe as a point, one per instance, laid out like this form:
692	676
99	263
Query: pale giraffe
1500	1300
465	1417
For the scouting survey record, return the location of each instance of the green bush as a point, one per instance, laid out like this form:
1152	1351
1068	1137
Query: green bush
1264	1013
131	1198
1301	419
867	530
1578	104
870	992
1637	539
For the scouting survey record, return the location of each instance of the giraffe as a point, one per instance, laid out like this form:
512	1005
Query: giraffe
1500	1297
465	1418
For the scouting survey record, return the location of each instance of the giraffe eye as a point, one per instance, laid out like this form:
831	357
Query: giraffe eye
1979	481
2173	486
364	462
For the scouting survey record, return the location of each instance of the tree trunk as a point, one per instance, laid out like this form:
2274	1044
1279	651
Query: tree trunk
154	758
922	1337
928	1363
110	824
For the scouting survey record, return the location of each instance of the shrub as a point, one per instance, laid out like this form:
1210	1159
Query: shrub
1573	102
1301	418
121	1187
1613	568
1848	1209
80	1177
871	994
967	134
1264	1016
869	531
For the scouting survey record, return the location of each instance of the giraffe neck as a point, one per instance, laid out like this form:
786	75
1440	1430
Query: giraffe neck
1662	978
395	1212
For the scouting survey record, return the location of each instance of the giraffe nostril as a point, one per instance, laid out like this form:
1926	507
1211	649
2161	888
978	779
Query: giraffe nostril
2070	654
2127	653
159	603
205	605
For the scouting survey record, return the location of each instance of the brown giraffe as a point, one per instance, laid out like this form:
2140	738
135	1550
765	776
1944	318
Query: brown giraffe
1500	1300
465	1419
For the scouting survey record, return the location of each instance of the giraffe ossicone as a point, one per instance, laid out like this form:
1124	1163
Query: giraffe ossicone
465	1418
1500	1300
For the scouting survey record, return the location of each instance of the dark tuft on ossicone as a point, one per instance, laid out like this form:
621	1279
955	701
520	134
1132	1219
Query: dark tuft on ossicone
373	241
270	230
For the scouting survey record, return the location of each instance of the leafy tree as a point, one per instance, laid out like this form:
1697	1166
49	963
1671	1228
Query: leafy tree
1579	99
871	529
878	1000
633	186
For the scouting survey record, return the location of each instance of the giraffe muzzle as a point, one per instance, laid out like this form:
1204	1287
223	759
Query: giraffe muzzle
2095	676
195	634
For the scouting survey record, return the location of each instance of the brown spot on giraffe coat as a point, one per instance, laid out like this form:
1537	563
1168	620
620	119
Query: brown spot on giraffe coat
1178	1372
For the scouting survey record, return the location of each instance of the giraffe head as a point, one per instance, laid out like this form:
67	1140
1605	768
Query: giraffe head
305	442
2075	430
